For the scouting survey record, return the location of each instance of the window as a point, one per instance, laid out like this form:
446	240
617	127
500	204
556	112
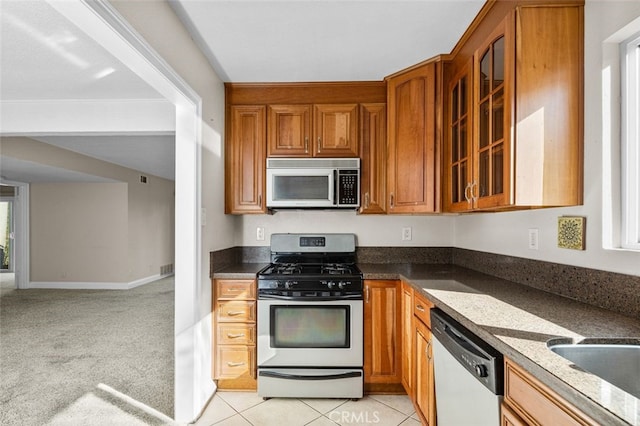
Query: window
630	148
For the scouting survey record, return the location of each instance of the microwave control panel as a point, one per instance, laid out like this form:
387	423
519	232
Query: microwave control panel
348	188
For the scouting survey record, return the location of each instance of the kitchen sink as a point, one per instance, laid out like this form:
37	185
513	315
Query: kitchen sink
615	361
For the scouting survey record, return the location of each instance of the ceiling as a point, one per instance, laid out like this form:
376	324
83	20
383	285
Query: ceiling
322	40
46	57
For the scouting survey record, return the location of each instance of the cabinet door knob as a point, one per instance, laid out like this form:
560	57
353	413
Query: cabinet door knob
260	199
475	197
391	200
306	144
366	200
420	308
319	144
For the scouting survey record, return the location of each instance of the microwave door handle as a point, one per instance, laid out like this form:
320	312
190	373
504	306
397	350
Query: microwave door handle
335	187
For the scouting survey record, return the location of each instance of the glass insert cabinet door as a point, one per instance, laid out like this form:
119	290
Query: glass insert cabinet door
491	106
459	155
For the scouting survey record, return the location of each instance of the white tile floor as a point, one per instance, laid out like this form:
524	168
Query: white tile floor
246	408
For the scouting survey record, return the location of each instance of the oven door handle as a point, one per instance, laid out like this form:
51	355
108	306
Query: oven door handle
310	299
286	376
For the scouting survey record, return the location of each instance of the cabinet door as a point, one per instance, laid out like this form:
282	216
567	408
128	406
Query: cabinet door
458	142
508	417
407	339
549	105
245	160
493	71
412	166
335	130
424	388
289	131
382	337
373	158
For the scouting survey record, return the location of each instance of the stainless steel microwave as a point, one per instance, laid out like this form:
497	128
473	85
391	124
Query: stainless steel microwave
313	183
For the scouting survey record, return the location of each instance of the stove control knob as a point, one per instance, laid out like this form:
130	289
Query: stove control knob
278	284
288	284
331	284
341	285
481	370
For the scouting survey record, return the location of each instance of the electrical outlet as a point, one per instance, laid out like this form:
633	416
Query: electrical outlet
260	233
533	239
406	233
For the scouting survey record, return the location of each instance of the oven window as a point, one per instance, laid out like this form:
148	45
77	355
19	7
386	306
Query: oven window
301	188
295	326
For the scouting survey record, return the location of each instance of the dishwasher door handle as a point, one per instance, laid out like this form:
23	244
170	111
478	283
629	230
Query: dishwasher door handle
463	343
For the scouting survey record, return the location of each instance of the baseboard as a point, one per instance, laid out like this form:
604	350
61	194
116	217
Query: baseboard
75	285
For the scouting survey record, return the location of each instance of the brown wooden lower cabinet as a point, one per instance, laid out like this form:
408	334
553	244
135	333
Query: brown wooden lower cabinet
424	381
417	354
509	418
382	337
530	402
234	325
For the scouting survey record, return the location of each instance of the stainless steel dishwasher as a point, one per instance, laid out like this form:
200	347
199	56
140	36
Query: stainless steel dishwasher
469	375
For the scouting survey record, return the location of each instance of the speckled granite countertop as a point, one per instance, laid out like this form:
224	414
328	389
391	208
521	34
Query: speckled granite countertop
517	320
239	271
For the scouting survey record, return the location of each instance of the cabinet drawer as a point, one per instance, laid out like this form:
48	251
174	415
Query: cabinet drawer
235	289
235	361
536	403
236	334
421	308
237	311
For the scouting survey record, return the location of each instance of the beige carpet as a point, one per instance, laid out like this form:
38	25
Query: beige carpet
87	357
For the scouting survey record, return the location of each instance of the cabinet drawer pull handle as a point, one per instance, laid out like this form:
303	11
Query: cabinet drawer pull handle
236	289
428	350
235	336
366	294
366	200
235	364
260	199
319	142
306	144
420	308
235	313
391	200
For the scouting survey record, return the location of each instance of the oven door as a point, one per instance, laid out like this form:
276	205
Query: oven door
310	333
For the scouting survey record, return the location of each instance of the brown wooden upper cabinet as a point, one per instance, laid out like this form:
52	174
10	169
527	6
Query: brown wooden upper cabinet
333	132
521	91
412	155
245	160
373	158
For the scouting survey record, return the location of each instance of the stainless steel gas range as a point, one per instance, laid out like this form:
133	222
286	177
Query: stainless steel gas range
310	318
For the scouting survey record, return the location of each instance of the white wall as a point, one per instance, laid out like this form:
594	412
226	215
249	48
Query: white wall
99	247
371	230
160	27
79	232
507	233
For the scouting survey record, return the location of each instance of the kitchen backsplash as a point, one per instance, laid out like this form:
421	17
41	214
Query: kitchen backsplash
609	290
